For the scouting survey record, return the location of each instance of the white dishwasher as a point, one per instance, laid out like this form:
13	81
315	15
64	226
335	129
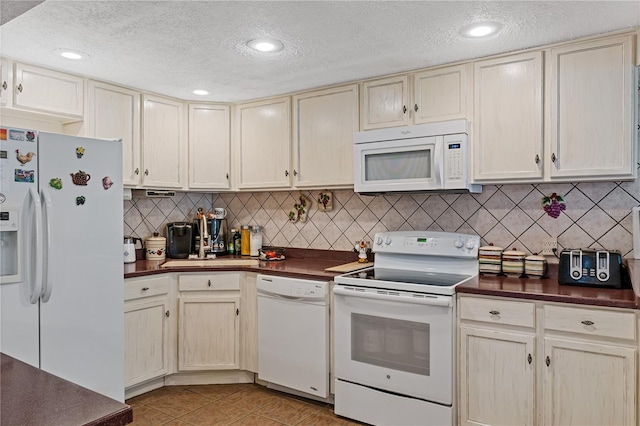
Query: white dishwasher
293	335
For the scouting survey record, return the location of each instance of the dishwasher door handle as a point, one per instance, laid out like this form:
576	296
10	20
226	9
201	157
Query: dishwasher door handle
278	296
426	300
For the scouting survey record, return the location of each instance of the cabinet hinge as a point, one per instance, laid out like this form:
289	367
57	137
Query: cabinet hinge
237	311
167	314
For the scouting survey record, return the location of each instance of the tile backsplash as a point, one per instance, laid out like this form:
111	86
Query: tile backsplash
597	215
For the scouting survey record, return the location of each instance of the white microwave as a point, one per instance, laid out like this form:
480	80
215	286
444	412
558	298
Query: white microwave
425	157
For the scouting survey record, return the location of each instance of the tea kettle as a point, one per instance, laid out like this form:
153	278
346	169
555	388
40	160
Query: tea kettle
129	248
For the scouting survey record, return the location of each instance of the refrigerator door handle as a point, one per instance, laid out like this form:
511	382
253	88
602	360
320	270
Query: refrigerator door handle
35	258
47	264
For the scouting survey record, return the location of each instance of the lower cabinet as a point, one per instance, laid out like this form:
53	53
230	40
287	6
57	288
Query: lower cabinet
209	322
526	363
146	329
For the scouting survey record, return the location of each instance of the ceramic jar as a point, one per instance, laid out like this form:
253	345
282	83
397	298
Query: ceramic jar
490	259
155	247
513	262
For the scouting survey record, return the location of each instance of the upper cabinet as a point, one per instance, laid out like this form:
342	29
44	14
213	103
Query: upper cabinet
163	143
263	144
591	94
508	112
209	144
114	112
48	92
5	84
324	124
438	94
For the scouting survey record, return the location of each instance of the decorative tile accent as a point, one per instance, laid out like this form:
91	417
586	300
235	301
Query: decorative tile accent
597	215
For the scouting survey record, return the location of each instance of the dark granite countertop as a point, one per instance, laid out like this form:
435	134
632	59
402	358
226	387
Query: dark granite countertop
30	396
548	289
311	264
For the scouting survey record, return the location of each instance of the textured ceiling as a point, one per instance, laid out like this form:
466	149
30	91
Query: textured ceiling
173	47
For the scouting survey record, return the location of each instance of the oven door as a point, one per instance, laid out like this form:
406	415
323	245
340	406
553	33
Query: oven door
399	165
395	341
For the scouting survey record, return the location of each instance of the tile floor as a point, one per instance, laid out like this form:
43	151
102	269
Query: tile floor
233	404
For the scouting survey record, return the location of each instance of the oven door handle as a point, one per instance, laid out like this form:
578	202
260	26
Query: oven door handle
426	300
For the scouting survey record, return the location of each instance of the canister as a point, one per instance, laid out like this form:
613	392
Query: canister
155	247
535	266
256	240
513	262
245	240
490	259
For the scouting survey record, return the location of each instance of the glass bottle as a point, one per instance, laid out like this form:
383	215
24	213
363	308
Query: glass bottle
245	241
237	242
231	246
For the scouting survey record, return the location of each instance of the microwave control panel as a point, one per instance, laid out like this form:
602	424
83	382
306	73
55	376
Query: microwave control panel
455	160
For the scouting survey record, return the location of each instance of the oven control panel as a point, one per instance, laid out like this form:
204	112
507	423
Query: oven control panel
427	243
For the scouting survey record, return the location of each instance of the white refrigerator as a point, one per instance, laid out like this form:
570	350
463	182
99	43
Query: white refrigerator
61	265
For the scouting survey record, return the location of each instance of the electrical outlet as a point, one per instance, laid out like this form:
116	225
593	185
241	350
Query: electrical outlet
549	246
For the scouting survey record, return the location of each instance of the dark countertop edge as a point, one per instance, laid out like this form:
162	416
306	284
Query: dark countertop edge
238	268
117	418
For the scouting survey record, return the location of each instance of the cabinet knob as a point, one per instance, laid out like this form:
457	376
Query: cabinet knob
537	159
227	175
145	288
494	312
137	171
20	88
415	107
529	359
553	157
547	361
4	85
404	109
237	311
587	322
286	172
295	173
209	283
146	172
166	314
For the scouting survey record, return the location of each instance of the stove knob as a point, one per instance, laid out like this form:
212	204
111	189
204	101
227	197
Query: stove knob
387	240
379	240
470	244
458	243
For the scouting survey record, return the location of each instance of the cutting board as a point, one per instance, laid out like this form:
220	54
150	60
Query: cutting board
349	267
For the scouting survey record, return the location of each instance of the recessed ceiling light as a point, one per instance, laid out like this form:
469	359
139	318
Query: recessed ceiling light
70	54
265	45
200	92
481	29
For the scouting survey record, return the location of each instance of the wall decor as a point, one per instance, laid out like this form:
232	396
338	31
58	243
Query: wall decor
554	205
300	209
325	201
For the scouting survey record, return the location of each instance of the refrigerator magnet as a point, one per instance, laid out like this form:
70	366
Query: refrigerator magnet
81	178
24	158
106	182
55	183
26	176
79	151
80	200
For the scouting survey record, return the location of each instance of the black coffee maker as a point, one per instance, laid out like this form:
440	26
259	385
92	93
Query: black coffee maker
179	235
217	241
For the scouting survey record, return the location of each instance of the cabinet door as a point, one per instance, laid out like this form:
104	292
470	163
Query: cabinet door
114	113
51	92
209	143
508	130
385	103
588	384
208	333
325	122
497	372
264	143
5	84
163	143
146	341
249	324
591	92
441	94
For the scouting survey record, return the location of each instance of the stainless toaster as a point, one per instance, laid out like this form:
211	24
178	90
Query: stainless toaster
591	267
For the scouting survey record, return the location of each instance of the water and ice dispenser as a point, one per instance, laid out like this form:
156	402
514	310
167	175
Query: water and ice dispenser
10	246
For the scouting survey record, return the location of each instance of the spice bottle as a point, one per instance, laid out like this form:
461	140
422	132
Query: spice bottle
231	246
245	241
236	242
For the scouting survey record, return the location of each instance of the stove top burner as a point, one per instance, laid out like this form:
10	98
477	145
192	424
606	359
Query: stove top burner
409	277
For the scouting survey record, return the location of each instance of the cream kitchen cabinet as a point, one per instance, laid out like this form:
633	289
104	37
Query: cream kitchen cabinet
496	368
208	322
575	366
163	143
324	124
508	134
42	91
114	112
437	94
5	83
209	146
263	144
146	333
591	93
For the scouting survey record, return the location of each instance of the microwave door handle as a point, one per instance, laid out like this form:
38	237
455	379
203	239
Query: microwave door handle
438	162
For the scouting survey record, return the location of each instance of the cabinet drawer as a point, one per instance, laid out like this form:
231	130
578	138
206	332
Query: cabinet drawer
594	322
209	282
146	287
496	311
